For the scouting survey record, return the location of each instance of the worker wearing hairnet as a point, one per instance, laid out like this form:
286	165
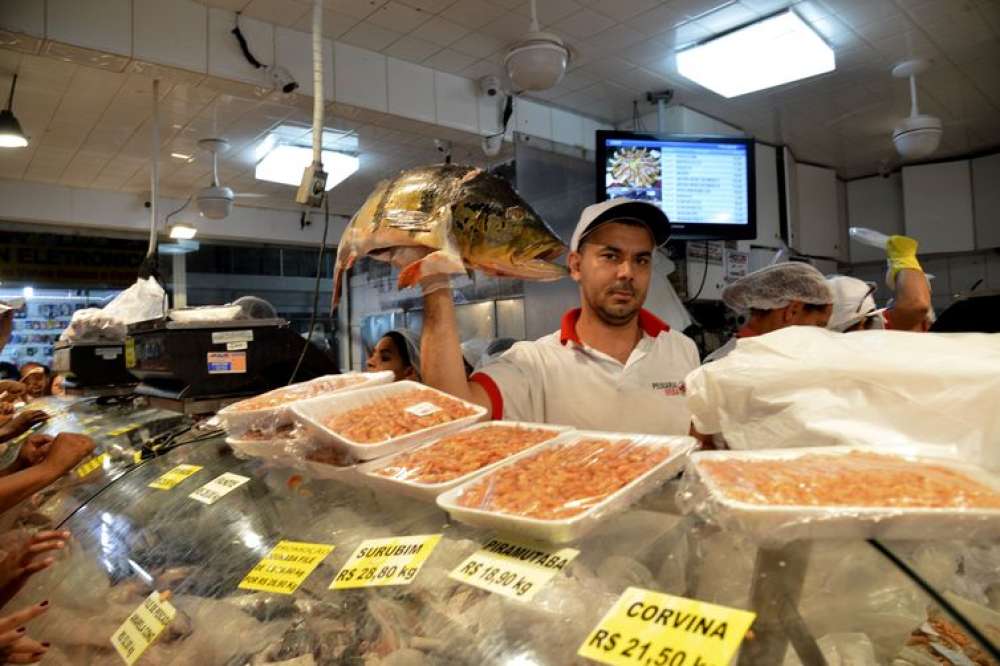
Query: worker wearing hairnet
854	303
398	351
791	293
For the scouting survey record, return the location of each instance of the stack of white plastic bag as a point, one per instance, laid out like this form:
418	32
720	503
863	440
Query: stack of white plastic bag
806	386
142	301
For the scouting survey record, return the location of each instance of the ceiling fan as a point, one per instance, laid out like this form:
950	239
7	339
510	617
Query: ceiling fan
216	201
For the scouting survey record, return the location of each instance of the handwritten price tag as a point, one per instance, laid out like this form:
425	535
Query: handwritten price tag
91	465
513	569
380	562
648	628
285	567
143	627
217	487
174	476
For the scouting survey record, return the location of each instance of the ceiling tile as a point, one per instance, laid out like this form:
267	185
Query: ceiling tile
449	61
280	12
622	10
428	6
369	36
356	8
651	50
550	11
411	48
857	13
335	24
657	21
508	28
472	13
688	33
478	45
583	24
440	31
397	17
606	68
726	18
618	38
765	7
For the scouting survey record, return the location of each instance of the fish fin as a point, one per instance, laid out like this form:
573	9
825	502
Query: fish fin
338	279
435	263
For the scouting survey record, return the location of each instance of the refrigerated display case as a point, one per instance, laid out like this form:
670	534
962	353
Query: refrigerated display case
817	602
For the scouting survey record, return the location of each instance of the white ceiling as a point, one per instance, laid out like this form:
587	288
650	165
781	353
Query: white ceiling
91	127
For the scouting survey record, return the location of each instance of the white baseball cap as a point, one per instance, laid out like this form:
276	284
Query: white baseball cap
643	212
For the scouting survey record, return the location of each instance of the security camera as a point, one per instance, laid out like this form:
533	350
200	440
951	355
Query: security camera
443	146
283	79
492	145
490	86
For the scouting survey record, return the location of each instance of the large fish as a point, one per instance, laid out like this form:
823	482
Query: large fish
446	219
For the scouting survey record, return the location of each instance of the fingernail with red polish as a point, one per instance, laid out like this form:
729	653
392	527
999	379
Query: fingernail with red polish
44	603
46	644
21	630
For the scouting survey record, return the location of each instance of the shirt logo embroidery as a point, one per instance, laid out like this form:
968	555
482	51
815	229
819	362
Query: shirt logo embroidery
670	389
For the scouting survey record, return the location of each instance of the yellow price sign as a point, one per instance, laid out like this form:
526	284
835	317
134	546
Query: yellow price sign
380	562
137	457
285	567
89	466
143	627
129	352
513	569
170	479
646	628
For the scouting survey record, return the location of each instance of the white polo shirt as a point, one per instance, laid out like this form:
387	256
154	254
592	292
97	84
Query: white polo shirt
560	380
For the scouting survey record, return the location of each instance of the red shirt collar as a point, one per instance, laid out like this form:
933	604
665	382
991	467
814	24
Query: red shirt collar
746	332
650	324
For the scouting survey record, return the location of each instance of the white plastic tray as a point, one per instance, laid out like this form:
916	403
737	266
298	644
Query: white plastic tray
779	524
313	414
571	529
238	422
429	491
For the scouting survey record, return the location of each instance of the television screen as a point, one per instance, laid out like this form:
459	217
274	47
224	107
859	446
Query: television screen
705	185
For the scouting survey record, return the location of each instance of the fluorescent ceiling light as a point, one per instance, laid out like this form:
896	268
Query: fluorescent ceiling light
182	231
762	55
180	156
285	164
28	292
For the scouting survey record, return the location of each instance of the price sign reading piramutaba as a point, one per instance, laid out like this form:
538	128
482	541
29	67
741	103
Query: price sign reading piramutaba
512	569
285	567
654	629
380	562
143	627
168	480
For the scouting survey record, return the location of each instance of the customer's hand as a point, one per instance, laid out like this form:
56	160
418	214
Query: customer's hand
15	646
34	449
12	389
22	423
66	451
21	558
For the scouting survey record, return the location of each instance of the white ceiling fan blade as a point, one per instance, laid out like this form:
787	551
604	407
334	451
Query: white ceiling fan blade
251	195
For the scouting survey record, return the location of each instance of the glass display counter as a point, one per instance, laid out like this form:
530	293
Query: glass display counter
817	602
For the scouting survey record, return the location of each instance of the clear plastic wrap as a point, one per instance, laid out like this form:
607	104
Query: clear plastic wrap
268	411
777	496
142	301
373	422
431	469
561	490
805	386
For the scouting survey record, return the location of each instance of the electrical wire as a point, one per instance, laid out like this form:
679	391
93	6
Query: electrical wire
319	276
704	276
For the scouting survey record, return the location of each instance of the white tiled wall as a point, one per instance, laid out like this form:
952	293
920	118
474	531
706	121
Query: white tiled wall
411	90
105	25
171	33
225	59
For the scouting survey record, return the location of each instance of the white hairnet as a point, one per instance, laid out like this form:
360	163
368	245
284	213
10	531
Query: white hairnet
495	350
473	350
776	286
852	302
412	346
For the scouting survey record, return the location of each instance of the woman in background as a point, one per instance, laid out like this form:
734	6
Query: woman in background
398	351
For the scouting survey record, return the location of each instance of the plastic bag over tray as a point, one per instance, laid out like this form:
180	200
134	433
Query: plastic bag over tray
805	386
840	492
142	301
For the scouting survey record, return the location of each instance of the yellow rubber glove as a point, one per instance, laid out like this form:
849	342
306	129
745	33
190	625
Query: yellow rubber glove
901	252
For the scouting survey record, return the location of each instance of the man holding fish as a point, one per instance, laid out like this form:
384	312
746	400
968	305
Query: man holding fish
611	366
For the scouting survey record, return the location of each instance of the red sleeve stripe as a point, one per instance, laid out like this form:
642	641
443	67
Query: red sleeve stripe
493	391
